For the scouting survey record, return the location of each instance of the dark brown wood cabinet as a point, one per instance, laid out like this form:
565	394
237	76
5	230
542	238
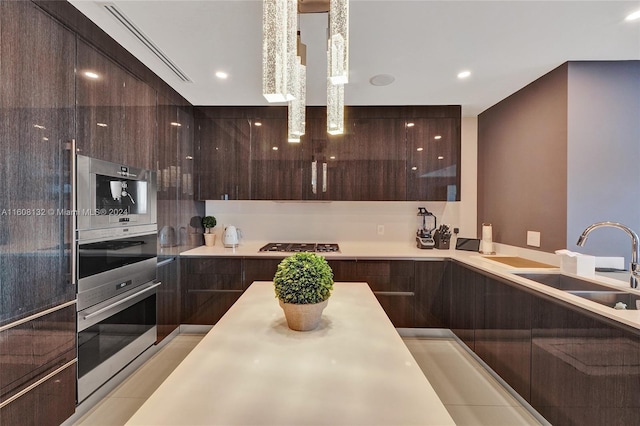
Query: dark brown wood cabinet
168	296
503	331
33	351
36	123
386	153
209	287
462	306
432	288
116	112
433	159
584	369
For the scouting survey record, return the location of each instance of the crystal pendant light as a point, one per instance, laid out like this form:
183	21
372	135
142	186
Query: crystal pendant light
339	41
278	48
335	102
297	106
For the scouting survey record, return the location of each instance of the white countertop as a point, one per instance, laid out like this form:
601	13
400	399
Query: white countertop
372	250
251	369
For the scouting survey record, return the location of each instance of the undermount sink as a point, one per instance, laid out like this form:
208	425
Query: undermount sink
603	295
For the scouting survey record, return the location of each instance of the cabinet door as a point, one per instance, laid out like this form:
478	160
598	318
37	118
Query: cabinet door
503	332
168	296
36	121
432	281
116	112
462	308
393	283
209	287
584	371
433	159
276	164
34	349
48	404
223	162
367	163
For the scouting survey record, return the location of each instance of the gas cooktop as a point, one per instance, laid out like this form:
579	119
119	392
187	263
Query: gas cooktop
302	247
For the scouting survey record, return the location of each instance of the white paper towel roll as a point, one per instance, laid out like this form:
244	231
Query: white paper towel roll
486	244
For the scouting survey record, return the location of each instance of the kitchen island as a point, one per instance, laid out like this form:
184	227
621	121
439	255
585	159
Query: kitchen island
251	369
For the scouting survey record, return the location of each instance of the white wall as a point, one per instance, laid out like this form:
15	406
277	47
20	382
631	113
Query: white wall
354	220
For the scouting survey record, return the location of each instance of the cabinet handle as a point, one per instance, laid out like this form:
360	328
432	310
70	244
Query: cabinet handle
72	147
314	177
324	177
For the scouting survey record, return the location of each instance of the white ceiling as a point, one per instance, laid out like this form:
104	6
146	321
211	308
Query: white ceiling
424	44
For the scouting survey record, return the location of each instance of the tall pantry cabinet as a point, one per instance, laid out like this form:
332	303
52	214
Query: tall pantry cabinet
37	312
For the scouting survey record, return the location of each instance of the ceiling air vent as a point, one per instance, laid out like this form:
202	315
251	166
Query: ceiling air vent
124	20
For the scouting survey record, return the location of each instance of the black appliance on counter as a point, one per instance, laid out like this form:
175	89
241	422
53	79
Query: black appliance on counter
301	247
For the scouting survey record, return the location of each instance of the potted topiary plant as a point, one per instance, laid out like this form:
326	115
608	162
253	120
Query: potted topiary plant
209	222
303	284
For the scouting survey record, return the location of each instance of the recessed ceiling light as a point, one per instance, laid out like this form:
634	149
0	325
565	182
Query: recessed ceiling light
333	157
419	149
440	157
382	80
176	124
633	16
257	123
101	124
411	124
91	74
437	137
222	74
464	74
275	148
414	168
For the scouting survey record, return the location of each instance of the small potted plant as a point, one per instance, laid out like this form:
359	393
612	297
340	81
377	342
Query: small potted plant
209	222
303	284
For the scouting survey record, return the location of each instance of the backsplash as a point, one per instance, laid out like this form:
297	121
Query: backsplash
335	221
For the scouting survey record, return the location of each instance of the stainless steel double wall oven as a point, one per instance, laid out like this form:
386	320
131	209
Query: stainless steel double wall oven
116	266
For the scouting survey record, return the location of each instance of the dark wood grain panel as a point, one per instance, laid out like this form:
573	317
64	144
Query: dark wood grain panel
433	280
168	297
433	159
503	332
49	404
116	112
36	121
223	162
259	270
276	164
36	348
462	308
583	371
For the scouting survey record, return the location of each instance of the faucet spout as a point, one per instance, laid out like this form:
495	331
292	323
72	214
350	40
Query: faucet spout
635	246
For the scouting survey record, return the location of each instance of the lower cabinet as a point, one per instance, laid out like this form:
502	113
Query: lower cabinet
432	285
168	296
210	285
584	370
30	352
572	366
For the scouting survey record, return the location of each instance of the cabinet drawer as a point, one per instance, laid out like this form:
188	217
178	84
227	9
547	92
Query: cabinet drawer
36	348
50	403
209	266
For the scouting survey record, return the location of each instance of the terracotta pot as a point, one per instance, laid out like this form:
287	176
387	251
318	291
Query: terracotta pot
209	240
303	317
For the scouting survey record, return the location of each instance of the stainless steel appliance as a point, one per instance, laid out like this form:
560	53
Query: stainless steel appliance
426	225
114	195
116	245
302	247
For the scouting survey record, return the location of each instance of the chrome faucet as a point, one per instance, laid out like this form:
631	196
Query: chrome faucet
635	246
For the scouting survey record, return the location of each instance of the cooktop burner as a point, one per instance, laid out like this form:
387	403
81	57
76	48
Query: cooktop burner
302	247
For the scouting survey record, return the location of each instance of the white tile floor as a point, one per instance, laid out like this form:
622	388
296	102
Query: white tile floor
469	392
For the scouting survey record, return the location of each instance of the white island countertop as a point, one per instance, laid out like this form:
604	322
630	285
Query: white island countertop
251	369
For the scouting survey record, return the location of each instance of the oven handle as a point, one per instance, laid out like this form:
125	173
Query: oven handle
120	302
165	262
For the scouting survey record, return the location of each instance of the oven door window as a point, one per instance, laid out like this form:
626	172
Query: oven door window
103	256
101	341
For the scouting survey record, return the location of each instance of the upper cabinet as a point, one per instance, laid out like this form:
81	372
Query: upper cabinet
386	154
116	112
